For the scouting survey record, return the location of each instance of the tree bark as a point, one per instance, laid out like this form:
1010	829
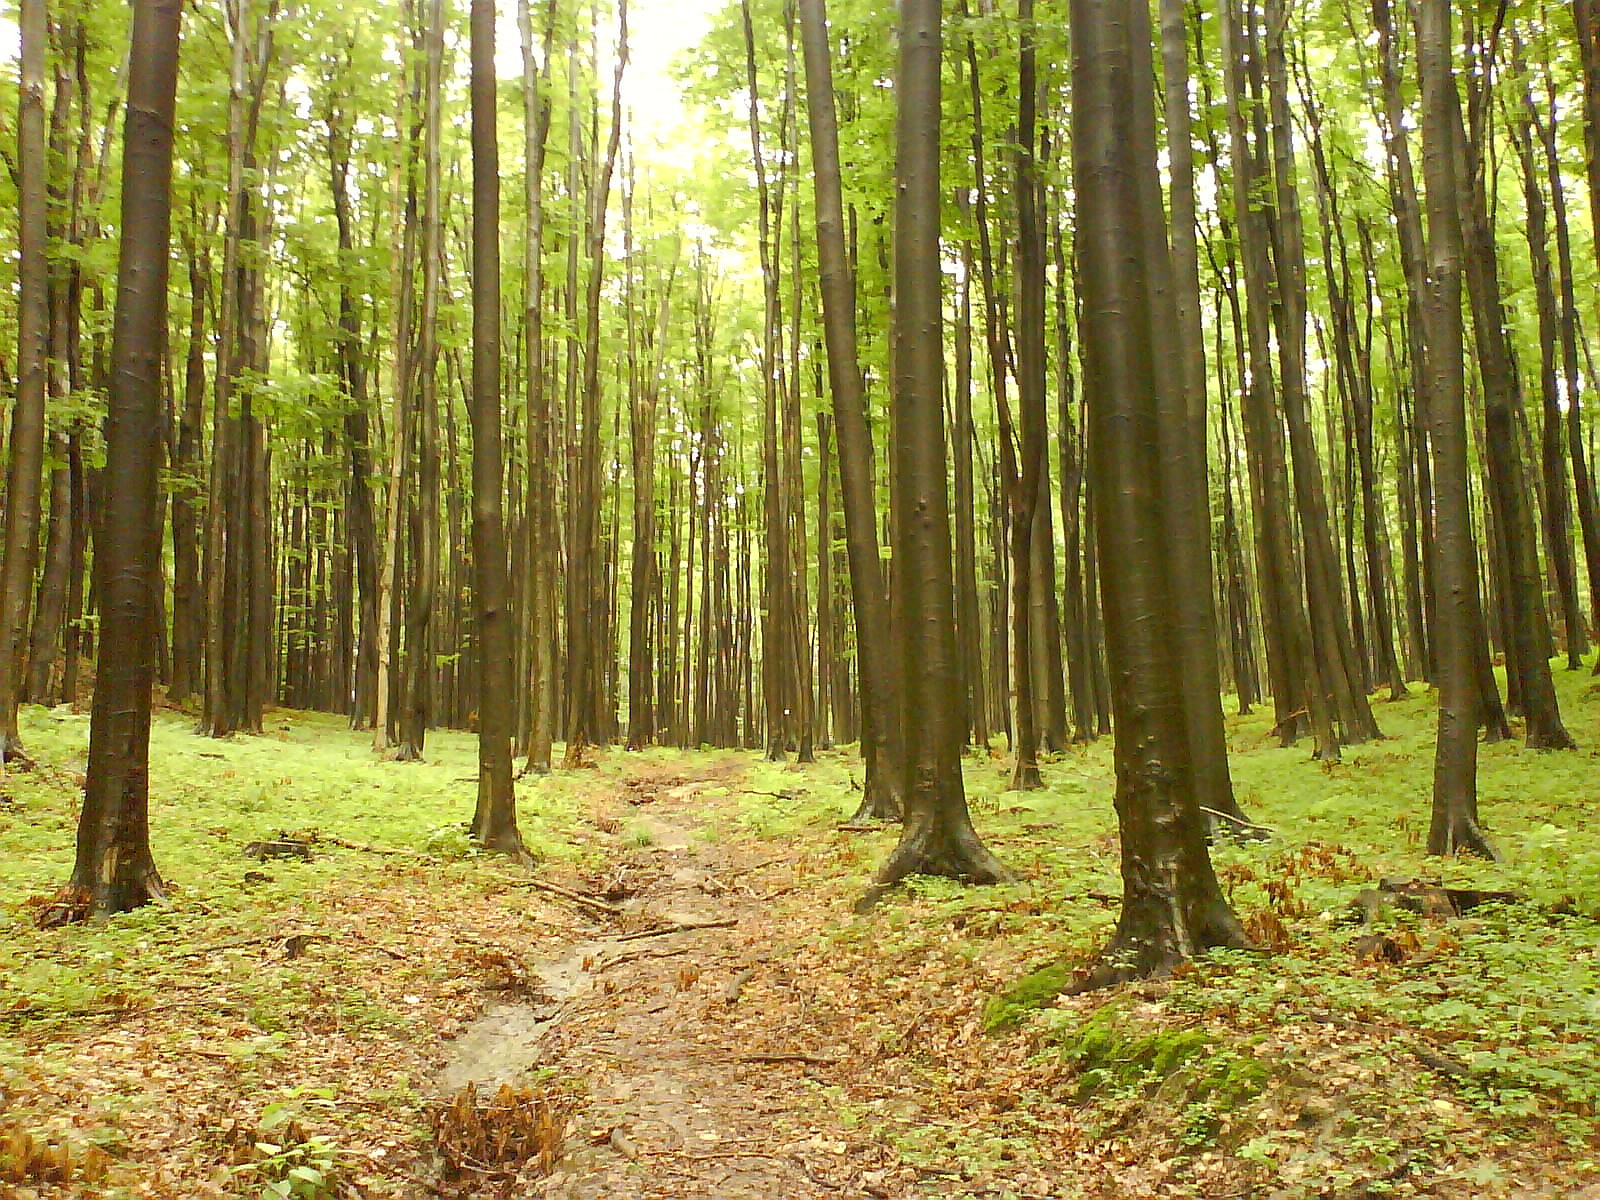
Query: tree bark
25	471
114	870
1172	907
880	745
494	821
1454	826
938	837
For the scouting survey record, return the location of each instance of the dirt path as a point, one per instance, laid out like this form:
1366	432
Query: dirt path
702	1074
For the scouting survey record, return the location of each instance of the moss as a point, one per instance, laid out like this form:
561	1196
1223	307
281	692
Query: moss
1117	1054
1035	990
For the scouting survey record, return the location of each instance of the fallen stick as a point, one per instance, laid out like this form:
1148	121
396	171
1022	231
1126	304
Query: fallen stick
734	986
676	927
336	840
810	1060
555	889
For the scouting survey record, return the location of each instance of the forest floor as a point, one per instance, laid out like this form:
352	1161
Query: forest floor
680	1001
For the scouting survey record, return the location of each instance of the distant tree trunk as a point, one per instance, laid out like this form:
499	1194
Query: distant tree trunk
1172	906
418	665
968	626
1299	697
114	871
586	570
1552	446
539	571
880	747
494	821
188	610
363	529
1024	479
1454	825
1337	666
938	838
1527	648
646	581
21	548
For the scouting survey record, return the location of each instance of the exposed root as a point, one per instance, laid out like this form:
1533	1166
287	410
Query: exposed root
1461	835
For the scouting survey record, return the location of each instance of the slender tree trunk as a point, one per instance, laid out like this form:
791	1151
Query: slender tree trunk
494	821
1454	825
586	571
880	747
1524	612
1185	486
21	532
1552	446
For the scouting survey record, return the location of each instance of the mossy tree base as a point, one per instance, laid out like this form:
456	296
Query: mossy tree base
1156	932
949	848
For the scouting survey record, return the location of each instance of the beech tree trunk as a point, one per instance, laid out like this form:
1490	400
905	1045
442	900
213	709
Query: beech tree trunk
1172	906
1454	827
114	871
938	837
494	821
19	554
880	747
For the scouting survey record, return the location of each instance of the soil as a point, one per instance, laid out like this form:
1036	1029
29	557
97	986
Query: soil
700	1076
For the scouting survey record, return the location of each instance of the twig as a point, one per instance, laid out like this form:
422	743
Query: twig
637	957
555	889
676	927
335	840
810	1060
1242	822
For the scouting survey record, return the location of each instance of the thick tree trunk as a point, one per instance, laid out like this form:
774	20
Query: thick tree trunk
114	870
938	838
1172	907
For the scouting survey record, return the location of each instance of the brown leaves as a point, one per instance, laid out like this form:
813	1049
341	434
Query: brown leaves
501	1134
69	906
25	1158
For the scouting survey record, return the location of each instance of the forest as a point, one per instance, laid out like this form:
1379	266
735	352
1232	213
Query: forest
752	599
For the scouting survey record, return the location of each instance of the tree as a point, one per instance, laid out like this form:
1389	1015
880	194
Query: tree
1172	905
114	870
938	838
21	547
880	798
1454	826
494	822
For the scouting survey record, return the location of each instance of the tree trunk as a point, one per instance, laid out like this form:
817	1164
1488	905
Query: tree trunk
1454	826
114	870
494	821
1172	907
26	468
938	838
880	747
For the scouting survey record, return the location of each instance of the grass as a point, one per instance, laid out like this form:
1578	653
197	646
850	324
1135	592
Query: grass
1454	1068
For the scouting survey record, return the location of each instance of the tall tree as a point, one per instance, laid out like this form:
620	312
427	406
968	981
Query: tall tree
938	837
494	821
114	870
1454	825
20	552
1172	905
880	797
